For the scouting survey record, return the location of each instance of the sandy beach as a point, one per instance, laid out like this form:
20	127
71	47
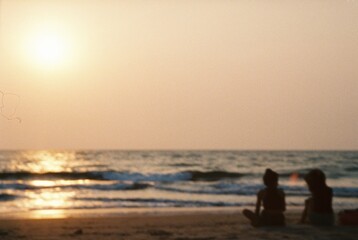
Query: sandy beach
176	226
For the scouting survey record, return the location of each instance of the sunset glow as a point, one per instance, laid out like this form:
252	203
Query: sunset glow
217	75
178	119
48	49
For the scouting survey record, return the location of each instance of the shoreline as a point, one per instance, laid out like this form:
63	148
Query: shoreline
132	212
116	212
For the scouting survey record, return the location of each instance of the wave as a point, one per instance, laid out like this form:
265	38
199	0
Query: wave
237	190
155	202
184	165
17	186
113	187
122	176
7	197
351	169
50	175
213	175
196	182
99	187
172	177
252	189
137	177
220	188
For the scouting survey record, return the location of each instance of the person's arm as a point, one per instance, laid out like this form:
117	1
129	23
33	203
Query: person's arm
258	203
284	201
305	210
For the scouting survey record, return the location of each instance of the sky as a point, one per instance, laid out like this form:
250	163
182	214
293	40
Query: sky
179	74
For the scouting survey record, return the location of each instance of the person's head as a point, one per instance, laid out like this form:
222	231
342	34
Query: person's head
270	178
315	180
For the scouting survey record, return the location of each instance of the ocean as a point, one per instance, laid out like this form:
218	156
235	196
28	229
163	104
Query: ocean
119	180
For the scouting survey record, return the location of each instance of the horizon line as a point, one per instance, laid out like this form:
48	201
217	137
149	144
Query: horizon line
181	149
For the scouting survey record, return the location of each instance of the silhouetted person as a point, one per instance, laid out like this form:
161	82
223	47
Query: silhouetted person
273	201
318	208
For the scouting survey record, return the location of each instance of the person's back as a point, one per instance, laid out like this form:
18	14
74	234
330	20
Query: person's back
322	200
318	208
273	201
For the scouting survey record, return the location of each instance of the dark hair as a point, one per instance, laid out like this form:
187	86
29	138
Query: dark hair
270	178
315	179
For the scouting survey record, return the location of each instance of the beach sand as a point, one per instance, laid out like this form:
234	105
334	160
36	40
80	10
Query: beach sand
176	226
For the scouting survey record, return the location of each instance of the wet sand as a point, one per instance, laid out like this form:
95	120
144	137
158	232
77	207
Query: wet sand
174	226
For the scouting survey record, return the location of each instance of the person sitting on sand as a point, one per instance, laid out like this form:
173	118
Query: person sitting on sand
318	208
273	200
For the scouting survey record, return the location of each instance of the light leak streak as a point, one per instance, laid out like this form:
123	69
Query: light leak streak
12	116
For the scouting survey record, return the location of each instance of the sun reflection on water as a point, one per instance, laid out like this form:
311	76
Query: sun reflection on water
43	183
47	161
48	213
48	203
59	183
48	199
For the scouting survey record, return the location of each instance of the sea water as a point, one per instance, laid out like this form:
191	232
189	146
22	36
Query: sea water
68	180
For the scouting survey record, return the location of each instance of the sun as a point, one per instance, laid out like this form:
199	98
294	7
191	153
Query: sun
48	49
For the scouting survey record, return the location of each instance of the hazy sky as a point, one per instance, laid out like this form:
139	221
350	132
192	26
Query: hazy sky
180	74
